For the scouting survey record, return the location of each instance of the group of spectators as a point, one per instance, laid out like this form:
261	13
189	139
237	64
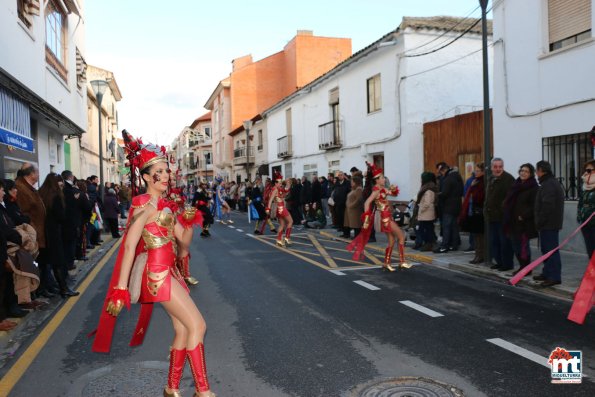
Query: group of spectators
516	210
43	231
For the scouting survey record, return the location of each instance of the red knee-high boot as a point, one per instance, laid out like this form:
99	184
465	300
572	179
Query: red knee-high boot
280	241
177	359
402	263
287	236
388	253
184	266
198	366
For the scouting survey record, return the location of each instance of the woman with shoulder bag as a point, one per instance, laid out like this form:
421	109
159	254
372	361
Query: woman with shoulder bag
471	217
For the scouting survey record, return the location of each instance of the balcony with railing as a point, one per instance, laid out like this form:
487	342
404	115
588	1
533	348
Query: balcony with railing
330	135
239	155
284	149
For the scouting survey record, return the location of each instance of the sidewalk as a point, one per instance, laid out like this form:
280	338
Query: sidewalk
11	341
574	264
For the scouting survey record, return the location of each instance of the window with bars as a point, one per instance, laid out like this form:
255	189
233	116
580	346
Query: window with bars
567	154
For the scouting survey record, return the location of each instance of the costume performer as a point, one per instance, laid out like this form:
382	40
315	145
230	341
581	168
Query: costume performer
201	200
267	219
146	265
388	225
222	209
285	222
256	202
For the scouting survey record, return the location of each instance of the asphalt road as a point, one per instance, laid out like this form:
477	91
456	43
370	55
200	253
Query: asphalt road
281	325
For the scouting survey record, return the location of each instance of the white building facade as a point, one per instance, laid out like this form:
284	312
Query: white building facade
372	106
544	90
42	82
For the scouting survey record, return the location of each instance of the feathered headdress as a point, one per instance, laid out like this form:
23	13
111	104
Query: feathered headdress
277	175
140	156
376	171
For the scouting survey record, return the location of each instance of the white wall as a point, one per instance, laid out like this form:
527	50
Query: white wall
529	79
428	96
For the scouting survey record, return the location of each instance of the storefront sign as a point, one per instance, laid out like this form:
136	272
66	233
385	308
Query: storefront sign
11	139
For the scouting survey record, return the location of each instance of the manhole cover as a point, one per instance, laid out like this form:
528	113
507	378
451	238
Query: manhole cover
143	379
406	387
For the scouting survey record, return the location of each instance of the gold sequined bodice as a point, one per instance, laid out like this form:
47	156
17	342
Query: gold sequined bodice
381	201
159	232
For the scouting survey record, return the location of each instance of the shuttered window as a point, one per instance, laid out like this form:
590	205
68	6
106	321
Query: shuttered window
333	96
374	97
569	22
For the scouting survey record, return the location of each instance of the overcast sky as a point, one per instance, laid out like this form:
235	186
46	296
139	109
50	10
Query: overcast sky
168	56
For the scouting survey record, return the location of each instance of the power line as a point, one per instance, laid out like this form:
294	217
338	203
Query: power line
445	32
447	44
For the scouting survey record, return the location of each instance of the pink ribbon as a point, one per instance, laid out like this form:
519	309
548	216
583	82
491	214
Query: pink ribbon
584	297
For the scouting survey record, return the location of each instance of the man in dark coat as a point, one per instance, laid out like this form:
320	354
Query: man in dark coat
498	185
201	200
340	192
549	216
450	198
72	223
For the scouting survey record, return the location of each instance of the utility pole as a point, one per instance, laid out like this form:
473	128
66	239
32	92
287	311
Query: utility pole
487	152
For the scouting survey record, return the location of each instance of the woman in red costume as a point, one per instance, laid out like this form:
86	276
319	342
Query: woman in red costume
379	199
285	222
146	265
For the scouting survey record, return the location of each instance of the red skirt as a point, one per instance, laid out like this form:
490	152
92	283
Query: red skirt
158	273
282	211
385	221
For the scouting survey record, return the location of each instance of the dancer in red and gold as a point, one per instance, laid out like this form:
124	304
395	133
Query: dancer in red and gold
387	224
278	197
145	271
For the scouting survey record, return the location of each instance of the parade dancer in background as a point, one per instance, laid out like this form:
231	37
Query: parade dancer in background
201	200
388	225
176	195
222	209
278	197
266	196
146	265
257	203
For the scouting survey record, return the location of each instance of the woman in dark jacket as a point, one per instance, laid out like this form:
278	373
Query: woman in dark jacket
86	208
518	221
53	199
586	206
10	202
471	217
111	210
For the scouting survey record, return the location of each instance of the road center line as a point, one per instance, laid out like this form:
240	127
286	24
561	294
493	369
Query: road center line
366	285
337	272
421	308
536	358
240	230
233	227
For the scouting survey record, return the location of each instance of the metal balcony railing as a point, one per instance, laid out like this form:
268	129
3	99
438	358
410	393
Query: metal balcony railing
329	135
284	147
239	155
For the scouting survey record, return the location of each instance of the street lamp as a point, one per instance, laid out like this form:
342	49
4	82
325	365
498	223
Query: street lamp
99	87
486	120
247	125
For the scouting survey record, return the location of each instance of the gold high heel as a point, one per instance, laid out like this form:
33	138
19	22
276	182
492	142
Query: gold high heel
280	243
403	264
388	268
174	393
287	241
211	394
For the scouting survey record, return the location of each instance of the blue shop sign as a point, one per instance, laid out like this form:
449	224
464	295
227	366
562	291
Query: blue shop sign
12	139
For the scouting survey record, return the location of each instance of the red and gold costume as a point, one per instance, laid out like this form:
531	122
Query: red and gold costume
158	243
387	223
278	194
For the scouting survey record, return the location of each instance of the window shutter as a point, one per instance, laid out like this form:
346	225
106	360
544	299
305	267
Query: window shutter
333	96
567	18
32	7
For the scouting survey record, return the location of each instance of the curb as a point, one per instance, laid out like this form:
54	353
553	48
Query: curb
555	291
14	340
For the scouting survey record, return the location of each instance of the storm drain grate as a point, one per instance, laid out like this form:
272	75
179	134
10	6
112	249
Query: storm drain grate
406	387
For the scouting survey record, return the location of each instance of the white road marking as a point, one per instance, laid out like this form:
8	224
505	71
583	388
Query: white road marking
337	272
233	227
366	285
361	268
421	308
240	230
536	358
